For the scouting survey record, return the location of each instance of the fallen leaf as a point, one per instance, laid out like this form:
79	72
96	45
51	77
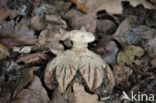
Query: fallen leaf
3	14
81	96
78	20
128	54
125	25
32	58
4	52
22	81
111	6
35	93
56	19
50	38
16	36
38	23
129	33
121	73
17	79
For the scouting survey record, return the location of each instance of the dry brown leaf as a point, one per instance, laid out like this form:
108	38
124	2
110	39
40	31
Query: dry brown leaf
32	58
16	36
78	20
38	23
56	19
128	54
3	14
121	33
121	73
34	94
81	96
4	52
21	81
49	38
124	26
111	6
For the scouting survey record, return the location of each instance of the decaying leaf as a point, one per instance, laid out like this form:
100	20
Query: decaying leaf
121	34
38	23
4	52
111	6
90	65
81	96
121	73
124	26
34	94
3	14
78	19
56	19
16	36
49	38
128	54
32	58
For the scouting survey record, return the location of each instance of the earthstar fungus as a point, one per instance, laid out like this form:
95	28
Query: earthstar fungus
91	66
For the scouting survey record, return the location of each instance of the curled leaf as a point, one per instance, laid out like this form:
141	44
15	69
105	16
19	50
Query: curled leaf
128	54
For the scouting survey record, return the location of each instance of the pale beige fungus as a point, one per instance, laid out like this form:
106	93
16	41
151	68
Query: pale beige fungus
91	66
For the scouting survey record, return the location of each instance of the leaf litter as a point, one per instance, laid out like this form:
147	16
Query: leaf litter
46	58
